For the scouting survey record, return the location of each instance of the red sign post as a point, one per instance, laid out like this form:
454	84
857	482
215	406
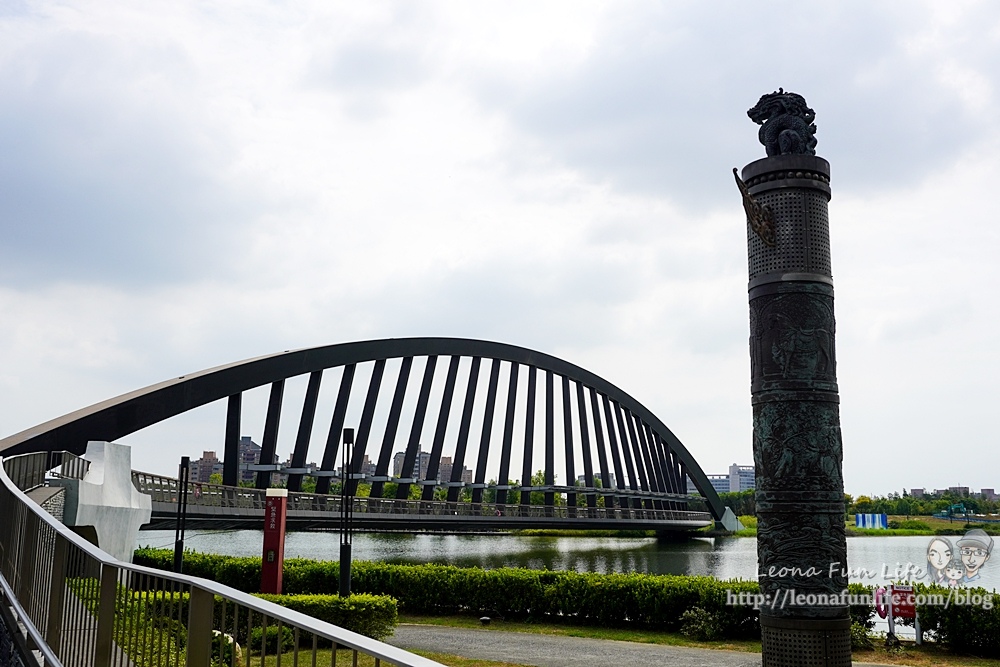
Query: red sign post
275	505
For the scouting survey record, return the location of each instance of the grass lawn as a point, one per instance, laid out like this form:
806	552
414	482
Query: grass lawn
324	658
927	655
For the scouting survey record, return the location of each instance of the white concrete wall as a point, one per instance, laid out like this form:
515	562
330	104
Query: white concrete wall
107	500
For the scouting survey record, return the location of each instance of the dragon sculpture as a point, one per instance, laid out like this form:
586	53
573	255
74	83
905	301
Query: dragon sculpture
786	122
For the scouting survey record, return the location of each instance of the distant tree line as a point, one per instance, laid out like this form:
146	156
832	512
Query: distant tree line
902	504
931	503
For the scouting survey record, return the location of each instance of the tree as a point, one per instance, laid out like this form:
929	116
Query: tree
864	505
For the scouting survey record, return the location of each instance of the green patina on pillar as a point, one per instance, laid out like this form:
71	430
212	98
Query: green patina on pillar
801	543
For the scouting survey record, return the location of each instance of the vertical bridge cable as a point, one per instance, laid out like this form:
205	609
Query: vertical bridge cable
329	462
364	429
503	478
305	429
413	444
661	462
484	440
588	465
550	461
529	438
269	443
652	475
389	439
231	445
458	463
613	441
568	441
640	465
442	426
602	456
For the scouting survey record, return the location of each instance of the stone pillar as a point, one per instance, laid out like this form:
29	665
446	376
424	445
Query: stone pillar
801	542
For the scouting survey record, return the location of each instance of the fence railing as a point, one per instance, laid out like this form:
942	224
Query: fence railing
81	607
209	497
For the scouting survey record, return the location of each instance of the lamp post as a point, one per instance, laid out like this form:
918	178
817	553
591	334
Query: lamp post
346	514
183	474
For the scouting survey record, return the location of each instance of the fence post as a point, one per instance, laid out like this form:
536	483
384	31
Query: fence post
200	623
106	615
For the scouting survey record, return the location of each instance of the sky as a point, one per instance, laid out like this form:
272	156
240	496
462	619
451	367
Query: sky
187	184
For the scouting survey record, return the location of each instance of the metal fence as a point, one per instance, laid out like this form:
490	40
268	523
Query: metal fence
81	607
206	498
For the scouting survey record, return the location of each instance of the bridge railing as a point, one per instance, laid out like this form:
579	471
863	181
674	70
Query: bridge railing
81	607
211	496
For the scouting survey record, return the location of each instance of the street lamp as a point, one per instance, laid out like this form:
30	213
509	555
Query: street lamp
346	514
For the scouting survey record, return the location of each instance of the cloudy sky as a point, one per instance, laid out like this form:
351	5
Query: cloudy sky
187	184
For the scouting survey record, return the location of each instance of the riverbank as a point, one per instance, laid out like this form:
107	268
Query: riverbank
907	527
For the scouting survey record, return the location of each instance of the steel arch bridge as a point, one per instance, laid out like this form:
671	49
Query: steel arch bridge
633	467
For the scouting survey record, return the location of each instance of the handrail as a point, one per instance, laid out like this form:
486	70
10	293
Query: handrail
209	495
108	565
51	659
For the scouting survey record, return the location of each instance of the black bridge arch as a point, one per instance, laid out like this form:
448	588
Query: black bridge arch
635	449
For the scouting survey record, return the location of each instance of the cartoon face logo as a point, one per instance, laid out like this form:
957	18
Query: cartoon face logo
954	572
939	554
975	549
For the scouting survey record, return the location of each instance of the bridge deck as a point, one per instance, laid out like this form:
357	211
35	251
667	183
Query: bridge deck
218	506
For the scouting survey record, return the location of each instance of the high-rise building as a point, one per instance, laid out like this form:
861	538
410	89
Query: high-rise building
445	467
203	468
249	453
741	478
581	480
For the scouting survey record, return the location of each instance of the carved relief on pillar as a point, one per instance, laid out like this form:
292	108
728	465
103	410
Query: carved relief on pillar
797	448
792	341
806	554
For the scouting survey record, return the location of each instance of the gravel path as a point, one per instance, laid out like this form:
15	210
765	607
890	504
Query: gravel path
555	651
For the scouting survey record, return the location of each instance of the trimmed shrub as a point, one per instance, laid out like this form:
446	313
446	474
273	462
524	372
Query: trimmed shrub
860	639
268	641
962	626
374	616
700	624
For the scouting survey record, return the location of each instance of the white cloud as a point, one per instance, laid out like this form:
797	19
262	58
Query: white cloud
183	186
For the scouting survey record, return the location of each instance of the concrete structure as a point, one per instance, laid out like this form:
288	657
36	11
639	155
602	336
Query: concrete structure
106	501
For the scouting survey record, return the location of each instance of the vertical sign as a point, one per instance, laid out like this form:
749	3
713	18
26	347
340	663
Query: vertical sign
274	540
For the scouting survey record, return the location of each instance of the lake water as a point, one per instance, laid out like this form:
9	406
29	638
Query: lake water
869	558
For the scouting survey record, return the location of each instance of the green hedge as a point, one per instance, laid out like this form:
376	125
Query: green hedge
631	600
374	616
969	623
652	601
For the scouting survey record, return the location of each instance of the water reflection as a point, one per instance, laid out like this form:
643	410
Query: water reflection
872	560
721	558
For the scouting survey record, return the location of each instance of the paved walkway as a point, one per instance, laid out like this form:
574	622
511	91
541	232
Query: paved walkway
556	651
